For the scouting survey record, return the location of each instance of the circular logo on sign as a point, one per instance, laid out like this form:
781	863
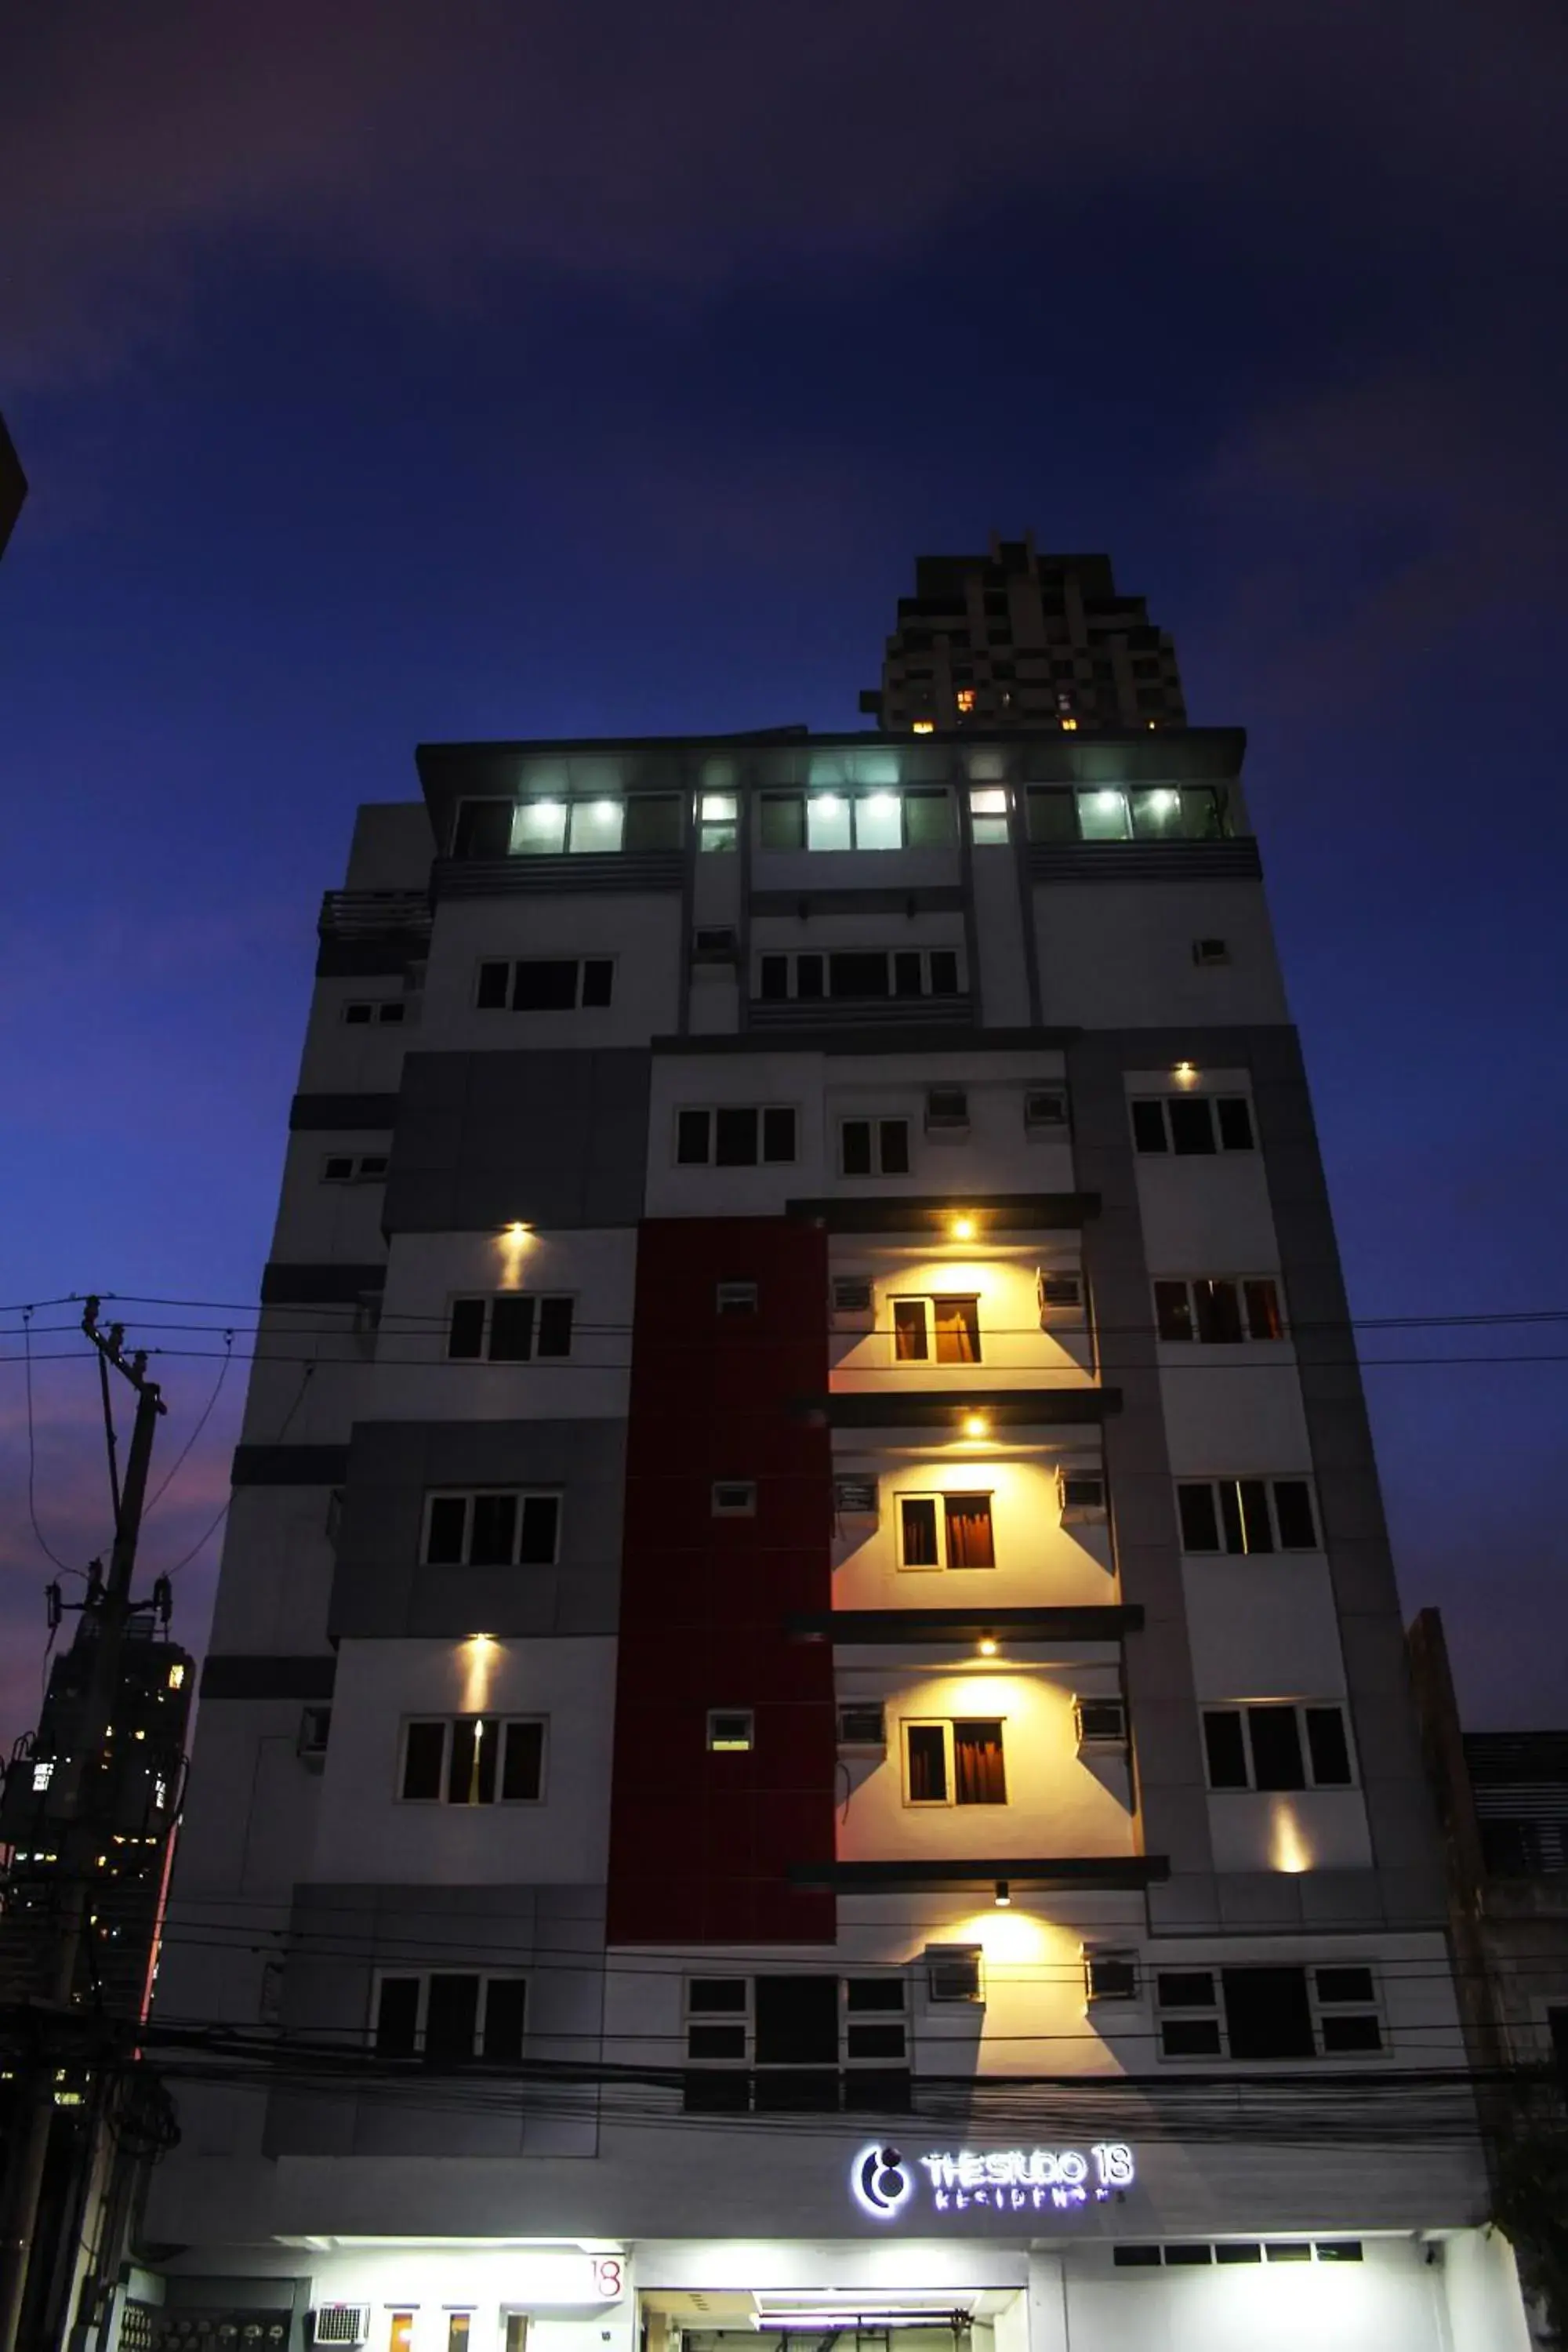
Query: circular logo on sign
880	2181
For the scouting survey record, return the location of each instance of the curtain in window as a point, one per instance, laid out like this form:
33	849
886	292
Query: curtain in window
979	1777
910	1331
969	1541
957	1324
928	1764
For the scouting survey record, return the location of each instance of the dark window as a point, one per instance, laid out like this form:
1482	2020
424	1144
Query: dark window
735	1139
927	820
1190	2037
1327	1747
1234	1123
1052	816
540	1518
357	1016
466	1332
451	2017
783	821
397	2017
1135	2258
544	986
1244	1502
858	975
472	1761
809	971
424	1748
554	1327
484	829
1346	1985
511	1328
1192	1124
968	1536
523	1768
1149	1126
448	1517
505	2000
894	1137
943	972
1200	1525
718	1993
1186	1989
1267	2013
1218	1312
855	1147
691	1133
796	2021
1173	1310
774	979
652	821
495	979
1277	1761
493	1541
906	973
928	1763
1189	2258
918	1516
979	1775
1293	1509
778	1136
1227	1750
598	980
1263	1320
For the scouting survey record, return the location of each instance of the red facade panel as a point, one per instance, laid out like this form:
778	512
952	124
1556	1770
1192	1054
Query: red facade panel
700	1842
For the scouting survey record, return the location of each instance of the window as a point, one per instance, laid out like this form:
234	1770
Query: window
944	1330
1045	1106
1210	951
483	829
1247	1515
1161	813
947	1111
857	974
957	1763
545	828
734	1498
801	2044
438	2014
735	1298
988	816
653	821
546	984
1267	2012
1188	1125
1277	1746
735	1136
877	820
1218	1310
731	1730
385	1012
718	822
945	1531
473	1760
874	1147
490	1528
509	1326
354	1168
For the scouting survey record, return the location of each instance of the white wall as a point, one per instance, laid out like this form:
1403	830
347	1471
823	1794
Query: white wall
1262	1625
1303	1829
1481	2284
642	932
1040	1563
1385	2302
366	1834
1119	954
1014	1352
366	1058
320	1219
595	1267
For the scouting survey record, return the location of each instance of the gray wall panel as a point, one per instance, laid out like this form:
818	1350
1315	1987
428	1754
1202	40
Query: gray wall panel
380	1588
555	1139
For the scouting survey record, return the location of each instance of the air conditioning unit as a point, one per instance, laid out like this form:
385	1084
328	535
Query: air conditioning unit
854	1303
716	943
1044	1107
955	1972
1058	1296
855	1499
947	1111
1210	951
315	1731
1109	1975
1080	1496
340	2323
862	1729
1101	1727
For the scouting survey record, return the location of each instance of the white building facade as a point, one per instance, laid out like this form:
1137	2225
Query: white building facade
807	1729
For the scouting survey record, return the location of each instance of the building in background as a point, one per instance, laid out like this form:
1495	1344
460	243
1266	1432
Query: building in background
807	1726
13	486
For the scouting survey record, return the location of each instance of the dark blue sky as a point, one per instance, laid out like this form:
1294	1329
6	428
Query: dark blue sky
395	372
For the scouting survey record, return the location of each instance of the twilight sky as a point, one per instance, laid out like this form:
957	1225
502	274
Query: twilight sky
388	371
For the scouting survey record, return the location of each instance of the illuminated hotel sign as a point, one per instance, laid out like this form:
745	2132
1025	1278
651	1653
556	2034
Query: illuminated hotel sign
888	2184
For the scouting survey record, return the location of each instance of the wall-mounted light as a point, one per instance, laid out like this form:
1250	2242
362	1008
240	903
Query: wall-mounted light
963	1228
923	727
1069	725
988	1645
1184	1074
976	1424
1003	1897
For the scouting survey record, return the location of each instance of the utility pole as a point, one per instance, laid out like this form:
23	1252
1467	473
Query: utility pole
91	1814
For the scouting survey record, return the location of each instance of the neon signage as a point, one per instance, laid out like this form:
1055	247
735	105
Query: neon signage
885	2184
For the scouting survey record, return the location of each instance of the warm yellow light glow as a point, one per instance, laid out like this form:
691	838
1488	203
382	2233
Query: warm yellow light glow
1069	725
1004	1895
963	1228
176	1677
965	697
1184	1074
481	1656
513	1246
976	1424
1289	1849
987	1646
923	727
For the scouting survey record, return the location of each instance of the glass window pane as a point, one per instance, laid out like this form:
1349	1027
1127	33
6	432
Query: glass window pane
541	1530
907	973
862	975
725	1994
1267	2013
1225	1752
423	1753
783	821
893	1135
397	2016
1052	816
1262	1310
927	1744
554	1327
1327	1747
653	821
1293	1510
511	1328
691	1133
1253	1497
1231	1528
1234	1123
796	2021
465	1333
1184	1989
1202	812
827	820
917	1515
969	1538
1200	1527
495	979
778	1137
910	1346
1349	2033
451	2016
810	973
874	1993
1276	1737
494	1538
596	825
1103	815
1173	1310
484	829
979	1777
598	980
472	1761
1157	815
1149	1126
1192	1125
443	1534
855	1147
927	820
1218	1311
734	1139
1345	1984
523	1764
538	828
1190	2037
772	979
957	1326
943	971
878	822
505	2000
540	986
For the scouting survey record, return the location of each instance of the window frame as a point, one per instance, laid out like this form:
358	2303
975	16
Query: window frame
876	1126
924	955
513	965
942	1498
948	1725
361	1167
488	1299
1216	1105
1213	2011
804	796
929	1301
744	1508
1216	1489
715	1746
720	822
1245	1709
505	1725
759	1112
469	1496
741	2019
1241	1284
374	1012
423	1977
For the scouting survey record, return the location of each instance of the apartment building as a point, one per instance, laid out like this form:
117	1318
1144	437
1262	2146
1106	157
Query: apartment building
807	1729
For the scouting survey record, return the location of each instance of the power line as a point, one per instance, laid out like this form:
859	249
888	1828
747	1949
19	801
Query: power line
52	1556
206	1410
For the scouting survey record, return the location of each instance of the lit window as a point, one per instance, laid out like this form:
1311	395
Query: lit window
956	1763
537	829
923	727
597	827
965	701
988	817
942	1330
731	1730
948	1531
718	821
